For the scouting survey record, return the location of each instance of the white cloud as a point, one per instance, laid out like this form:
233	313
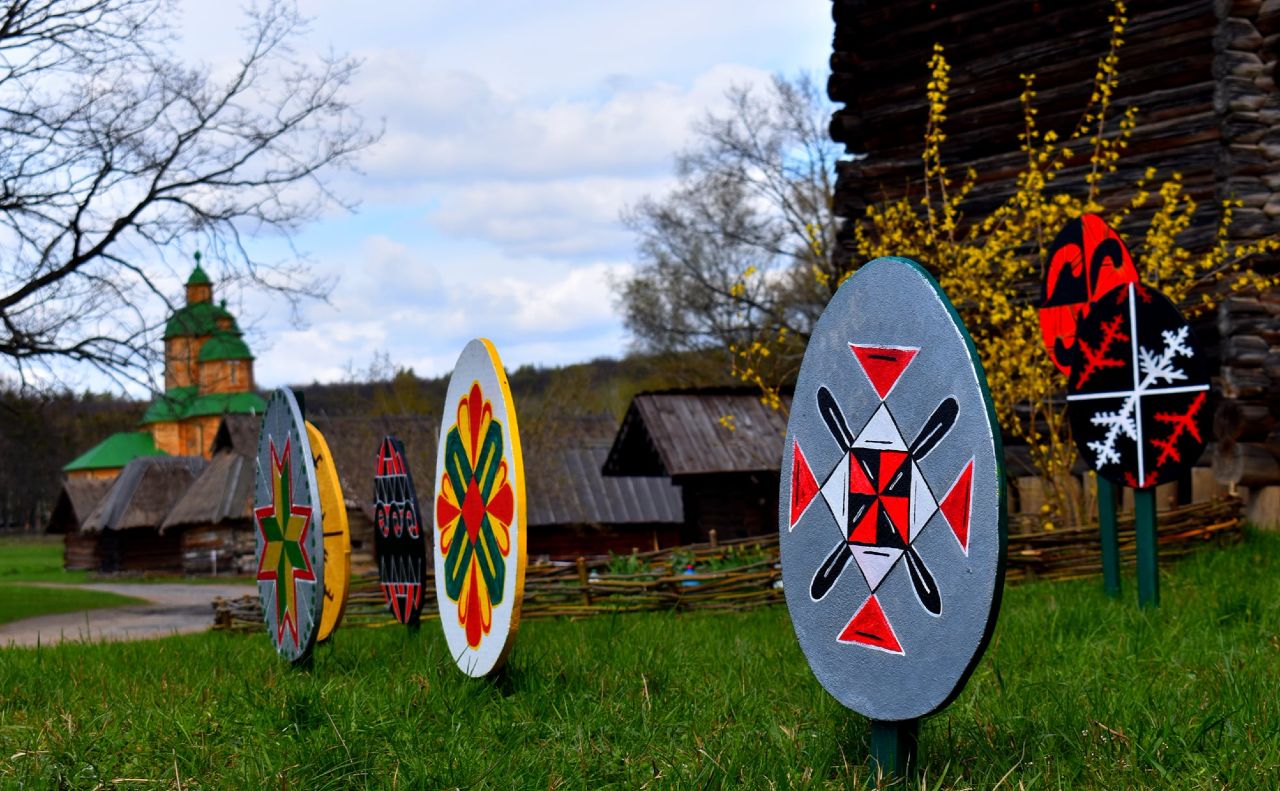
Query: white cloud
582	298
452	126
514	135
557	217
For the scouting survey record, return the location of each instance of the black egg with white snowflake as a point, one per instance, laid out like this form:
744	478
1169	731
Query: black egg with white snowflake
1139	389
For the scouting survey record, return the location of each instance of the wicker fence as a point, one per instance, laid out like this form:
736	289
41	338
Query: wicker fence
742	574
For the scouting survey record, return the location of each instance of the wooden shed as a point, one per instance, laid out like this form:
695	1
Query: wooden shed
721	446
75	502
127	519
213	519
575	510
1201	72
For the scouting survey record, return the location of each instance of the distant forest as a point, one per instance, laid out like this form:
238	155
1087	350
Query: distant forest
40	432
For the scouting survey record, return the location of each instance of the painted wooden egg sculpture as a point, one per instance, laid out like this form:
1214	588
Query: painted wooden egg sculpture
891	509
399	537
287	522
479	550
1138	389
336	532
1086	260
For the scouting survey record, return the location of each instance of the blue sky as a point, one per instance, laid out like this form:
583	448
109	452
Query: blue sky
515	133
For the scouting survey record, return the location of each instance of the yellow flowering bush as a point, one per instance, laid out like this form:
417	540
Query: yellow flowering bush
985	263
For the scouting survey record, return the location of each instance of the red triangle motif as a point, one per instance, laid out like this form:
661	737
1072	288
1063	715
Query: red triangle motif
859	483
865	531
804	487
389	592
890	462
883	365
870	627
955	506
896	508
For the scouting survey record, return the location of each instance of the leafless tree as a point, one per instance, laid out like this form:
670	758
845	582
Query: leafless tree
113	150
744	243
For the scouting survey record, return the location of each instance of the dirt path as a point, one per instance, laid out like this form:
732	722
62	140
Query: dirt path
169	609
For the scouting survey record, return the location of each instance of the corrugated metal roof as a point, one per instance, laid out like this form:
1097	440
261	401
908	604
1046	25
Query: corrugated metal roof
566	487
143	493
681	432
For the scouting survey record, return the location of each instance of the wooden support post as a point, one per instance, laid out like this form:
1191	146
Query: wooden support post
712	535
894	747
584	580
1109	536
1144	508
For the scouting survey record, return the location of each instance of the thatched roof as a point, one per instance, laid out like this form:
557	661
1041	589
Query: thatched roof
238	433
75	503
563	464
143	493
224	491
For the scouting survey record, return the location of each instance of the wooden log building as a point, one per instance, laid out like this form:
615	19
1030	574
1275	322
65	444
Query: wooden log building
575	510
722	447
75	502
1201	72
127	517
213	518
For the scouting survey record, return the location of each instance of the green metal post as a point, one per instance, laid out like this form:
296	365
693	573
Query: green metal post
1110	538
1144	511
893	747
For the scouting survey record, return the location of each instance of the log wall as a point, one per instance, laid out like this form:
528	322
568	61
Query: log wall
1201	72
234	544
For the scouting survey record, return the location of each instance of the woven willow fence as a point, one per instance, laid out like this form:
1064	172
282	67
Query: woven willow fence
742	574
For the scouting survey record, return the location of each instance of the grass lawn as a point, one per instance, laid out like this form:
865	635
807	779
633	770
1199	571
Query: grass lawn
39	559
27	601
35	559
1075	692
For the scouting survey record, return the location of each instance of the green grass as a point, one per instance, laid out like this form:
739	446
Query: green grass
27	601
35	559
39	559
1075	692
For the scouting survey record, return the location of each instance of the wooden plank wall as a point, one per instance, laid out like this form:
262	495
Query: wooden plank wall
735	505
1201	73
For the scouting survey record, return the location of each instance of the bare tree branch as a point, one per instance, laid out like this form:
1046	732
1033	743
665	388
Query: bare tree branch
733	250
112	151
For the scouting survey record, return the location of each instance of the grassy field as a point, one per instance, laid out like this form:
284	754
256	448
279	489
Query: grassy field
35	559
27	601
1075	692
40	560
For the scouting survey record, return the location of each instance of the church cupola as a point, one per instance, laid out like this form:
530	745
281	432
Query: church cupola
199	286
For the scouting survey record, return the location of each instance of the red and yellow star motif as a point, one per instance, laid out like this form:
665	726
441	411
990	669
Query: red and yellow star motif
283	527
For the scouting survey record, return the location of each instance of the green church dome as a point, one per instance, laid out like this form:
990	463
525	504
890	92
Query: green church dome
224	346
195	320
198	277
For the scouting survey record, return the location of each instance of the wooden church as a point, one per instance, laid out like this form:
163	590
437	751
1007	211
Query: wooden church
117	494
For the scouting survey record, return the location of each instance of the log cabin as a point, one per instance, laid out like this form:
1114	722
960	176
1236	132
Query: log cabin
1201	72
721	446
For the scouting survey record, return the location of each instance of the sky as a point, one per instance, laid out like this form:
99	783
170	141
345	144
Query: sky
515	133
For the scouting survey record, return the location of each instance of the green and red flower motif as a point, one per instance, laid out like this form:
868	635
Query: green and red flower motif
474	510
284	527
